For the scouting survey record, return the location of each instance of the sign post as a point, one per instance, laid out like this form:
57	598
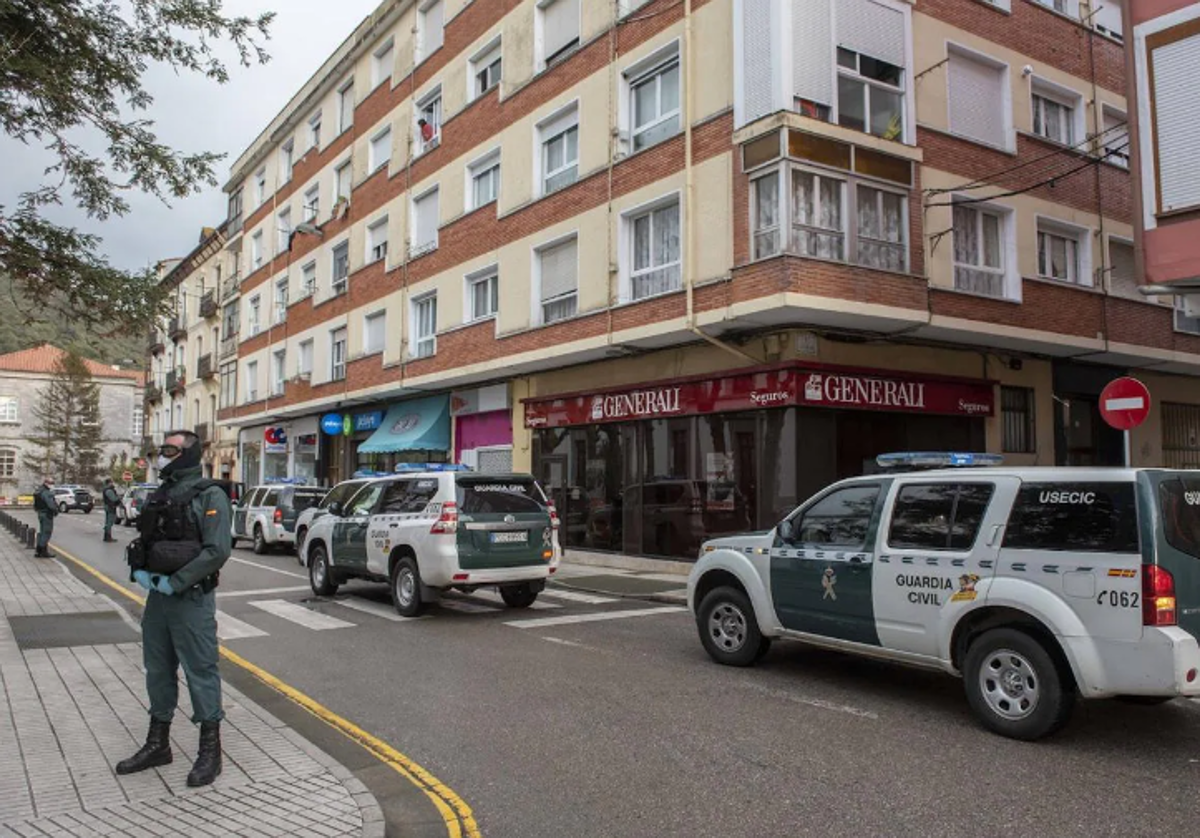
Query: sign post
1125	404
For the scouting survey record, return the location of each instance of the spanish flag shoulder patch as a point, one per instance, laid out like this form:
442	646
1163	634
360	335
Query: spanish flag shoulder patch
208	513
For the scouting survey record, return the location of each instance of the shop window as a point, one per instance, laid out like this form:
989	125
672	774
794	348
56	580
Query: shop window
870	95
1017	420
840	519
656	254
1075	517
932	516
980	251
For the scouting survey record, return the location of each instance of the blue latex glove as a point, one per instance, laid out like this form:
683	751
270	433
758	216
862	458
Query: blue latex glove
162	584
142	577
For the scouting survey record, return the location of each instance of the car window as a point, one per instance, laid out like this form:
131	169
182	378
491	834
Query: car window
394	497
409	496
840	519
1179	503
502	496
271	498
302	499
364	501
938	516
1090	517
341	493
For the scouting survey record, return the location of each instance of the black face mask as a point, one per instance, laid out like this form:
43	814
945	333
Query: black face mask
188	458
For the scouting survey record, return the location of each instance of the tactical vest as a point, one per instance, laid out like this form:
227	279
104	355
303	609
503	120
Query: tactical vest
170	534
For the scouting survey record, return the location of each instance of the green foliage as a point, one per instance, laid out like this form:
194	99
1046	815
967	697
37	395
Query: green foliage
67	425
117	466
23	326
67	65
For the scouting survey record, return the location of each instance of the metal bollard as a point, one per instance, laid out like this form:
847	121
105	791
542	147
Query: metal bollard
29	537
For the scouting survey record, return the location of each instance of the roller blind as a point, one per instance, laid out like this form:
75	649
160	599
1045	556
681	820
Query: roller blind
431	32
558	270
812	39
427	213
1177	122
756	58
976	97
871	29
560	25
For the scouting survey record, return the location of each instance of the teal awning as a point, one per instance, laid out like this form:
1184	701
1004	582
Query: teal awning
415	425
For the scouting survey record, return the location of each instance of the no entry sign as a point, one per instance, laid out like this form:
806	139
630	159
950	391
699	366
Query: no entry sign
1125	403
127	476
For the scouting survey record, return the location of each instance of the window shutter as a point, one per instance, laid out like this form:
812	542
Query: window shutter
1123	279
812	36
976	91
427	212
558	270
432	34
871	29
381	149
560	25
756	54
1177	123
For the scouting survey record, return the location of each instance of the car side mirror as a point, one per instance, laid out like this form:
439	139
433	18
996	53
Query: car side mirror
786	530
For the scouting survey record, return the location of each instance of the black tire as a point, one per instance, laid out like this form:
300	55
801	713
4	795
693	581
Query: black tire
233	543
301	534
729	629
260	543
1145	700
62	507
406	588
87	510
320	574
521	595
1015	686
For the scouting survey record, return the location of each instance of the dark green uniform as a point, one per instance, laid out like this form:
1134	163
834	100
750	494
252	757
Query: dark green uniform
111	501
47	507
181	630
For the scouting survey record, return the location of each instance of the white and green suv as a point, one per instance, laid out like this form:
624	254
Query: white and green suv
436	529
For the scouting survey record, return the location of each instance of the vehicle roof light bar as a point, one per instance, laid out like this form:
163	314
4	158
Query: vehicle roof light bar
408	468
913	460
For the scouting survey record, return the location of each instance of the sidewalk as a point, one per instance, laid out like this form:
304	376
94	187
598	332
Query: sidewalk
73	703
610	574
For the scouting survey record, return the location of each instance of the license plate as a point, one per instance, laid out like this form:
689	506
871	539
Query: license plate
520	537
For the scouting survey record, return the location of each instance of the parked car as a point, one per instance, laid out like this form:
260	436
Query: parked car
73	496
132	502
434	529
339	494
268	514
1034	585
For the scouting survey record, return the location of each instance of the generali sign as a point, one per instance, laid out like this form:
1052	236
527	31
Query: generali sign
776	387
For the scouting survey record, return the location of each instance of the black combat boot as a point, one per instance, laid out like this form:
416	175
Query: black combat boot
156	751
208	756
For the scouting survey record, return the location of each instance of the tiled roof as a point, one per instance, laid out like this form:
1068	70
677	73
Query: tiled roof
41	359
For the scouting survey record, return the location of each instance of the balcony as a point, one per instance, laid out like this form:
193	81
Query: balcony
154	342
154	393
202	434
229	289
204	368
177	329
229	347
208	305
176	382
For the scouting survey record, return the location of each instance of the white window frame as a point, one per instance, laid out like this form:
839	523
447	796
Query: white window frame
537	303
339	286
345	102
374	249
642	72
628	243
308	287
421	248
256	249
383	60
311	208
377	316
314	129
479	167
254	316
423	48
1044	89
260	187
1009	271
338	360
281	299
283	229
374	165
9	459
556	124
905	103
304	358
782	199
434	95
419	343
483	59
278	371
1107	142
1080	273
287	159
544	61
347	166
1010	133
485	275
251	382
10	410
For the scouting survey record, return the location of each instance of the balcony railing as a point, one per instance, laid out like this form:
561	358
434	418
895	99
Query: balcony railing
153	393
177	328
229	289
176	382
229	346
154	341
204	368
208	305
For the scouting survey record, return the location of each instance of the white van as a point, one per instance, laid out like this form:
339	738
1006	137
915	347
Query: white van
1035	585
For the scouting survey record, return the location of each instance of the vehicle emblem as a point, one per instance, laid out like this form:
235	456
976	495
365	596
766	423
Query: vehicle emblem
828	580
510	519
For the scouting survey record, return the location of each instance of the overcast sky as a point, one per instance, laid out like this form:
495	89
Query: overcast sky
193	114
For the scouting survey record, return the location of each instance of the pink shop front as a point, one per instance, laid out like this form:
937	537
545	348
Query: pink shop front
483	428
656	469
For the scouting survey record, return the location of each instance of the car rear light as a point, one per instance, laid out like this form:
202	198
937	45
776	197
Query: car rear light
553	515
460	577
447	524
1158	596
278	516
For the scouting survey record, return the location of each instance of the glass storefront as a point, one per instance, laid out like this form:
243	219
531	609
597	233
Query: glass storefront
660	487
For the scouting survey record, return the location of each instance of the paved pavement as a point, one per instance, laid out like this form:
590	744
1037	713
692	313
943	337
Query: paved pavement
72	704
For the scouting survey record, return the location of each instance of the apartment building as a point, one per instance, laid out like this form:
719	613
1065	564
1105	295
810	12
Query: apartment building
689	261
183	351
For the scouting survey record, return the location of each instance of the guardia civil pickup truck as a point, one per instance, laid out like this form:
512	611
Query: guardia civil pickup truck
1035	585
432	528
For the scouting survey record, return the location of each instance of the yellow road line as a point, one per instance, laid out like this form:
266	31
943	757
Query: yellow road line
455	812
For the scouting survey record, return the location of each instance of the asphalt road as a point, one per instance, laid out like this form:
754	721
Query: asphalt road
622	726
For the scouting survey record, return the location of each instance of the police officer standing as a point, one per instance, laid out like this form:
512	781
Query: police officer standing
185	534
111	501
46	506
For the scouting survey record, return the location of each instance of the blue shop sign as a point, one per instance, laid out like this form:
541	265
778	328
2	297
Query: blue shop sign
368	421
331	423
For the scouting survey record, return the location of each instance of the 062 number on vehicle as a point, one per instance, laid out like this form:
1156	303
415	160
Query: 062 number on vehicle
1118	599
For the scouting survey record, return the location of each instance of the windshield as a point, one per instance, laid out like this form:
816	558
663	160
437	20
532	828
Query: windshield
1179	500
341	493
303	500
500	496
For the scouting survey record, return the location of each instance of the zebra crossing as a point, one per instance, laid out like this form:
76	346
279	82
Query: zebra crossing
363	609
